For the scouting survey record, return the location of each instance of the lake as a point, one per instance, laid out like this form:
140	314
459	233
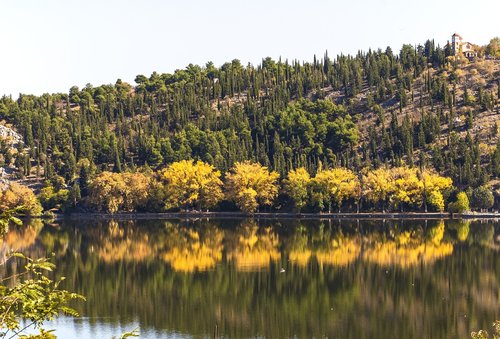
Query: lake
272	278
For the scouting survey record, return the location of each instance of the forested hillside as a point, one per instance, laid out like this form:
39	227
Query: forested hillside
421	107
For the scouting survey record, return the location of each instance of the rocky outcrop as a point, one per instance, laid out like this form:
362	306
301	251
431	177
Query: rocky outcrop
10	135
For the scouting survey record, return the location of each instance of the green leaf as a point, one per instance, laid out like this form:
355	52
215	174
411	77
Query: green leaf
18	255
133	333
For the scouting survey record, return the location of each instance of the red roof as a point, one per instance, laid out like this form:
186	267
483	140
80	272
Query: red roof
457	36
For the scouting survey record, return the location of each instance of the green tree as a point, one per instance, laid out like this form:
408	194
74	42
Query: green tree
461	205
33	297
482	198
493	48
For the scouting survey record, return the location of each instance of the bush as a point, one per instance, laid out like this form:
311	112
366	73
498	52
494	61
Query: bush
461	205
50	198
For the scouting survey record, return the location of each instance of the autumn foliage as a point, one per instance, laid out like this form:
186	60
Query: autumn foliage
113	192
250	185
404	186
334	185
188	184
21	199
296	186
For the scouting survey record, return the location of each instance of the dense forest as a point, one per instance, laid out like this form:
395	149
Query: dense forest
420	108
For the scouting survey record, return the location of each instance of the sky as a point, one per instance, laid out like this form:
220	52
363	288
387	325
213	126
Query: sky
47	46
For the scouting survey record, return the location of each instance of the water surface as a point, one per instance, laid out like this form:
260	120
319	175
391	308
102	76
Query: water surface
273	279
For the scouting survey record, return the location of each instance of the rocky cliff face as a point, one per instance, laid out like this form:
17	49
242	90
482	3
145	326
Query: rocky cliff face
10	135
13	140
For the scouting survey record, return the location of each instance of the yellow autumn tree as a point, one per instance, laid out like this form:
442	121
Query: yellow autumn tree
337	185
113	192
137	192
377	186
433	187
192	184
250	185
20	199
296	186
106	192
406	187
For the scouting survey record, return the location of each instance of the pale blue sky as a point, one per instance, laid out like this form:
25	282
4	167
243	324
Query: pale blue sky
50	45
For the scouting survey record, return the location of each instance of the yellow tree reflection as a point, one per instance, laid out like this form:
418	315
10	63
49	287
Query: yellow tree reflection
341	252
119	243
191	250
21	238
408	248
250	249
329	248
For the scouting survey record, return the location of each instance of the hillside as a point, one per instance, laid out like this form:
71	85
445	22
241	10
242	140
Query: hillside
420	107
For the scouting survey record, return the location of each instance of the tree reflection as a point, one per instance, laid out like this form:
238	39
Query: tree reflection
251	248
406	248
189	250
126	243
187	276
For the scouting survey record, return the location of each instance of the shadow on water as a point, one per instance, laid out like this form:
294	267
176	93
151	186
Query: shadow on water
277	279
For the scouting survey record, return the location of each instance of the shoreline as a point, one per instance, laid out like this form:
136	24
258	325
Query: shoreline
275	215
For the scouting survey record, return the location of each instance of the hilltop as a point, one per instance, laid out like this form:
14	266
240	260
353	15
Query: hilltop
422	106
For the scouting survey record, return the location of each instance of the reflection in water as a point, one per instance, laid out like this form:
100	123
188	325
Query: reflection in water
21	237
250	248
409	247
191	250
463	229
340	253
432	279
117	243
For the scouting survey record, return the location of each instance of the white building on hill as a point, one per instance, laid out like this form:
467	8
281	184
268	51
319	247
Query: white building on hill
459	46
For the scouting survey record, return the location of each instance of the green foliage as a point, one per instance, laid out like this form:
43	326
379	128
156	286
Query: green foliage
31	295
7	217
460	205
130	334
493	48
482	198
49	198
